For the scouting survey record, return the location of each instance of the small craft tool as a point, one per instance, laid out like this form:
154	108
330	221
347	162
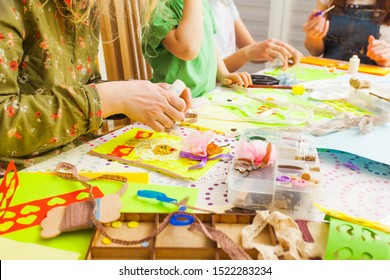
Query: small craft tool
160	196
356	220
264	80
324	12
270	86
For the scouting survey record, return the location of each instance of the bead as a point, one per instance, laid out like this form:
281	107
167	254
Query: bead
132	224
300	183
298	89
116	224
305	176
106	241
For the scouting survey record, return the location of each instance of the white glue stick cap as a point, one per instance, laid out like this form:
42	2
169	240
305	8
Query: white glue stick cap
177	87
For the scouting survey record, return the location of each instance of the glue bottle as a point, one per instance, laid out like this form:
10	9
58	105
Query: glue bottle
177	87
353	66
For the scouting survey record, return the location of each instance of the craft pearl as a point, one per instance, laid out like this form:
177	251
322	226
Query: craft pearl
106	241
116	224
132	224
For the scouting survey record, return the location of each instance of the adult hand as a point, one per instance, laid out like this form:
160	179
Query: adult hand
239	78
379	51
316	26
144	102
272	49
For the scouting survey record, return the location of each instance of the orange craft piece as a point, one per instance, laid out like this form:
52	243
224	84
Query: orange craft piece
31	213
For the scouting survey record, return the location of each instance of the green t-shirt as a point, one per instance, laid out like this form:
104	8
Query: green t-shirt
199	74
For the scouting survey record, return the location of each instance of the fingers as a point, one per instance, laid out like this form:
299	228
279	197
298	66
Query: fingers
187	97
378	50
240	78
371	39
317	28
282	51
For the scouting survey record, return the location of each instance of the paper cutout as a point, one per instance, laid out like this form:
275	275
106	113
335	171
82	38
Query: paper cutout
363	68
351	241
344	106
43	191
8	187
303	73
23	212
151	150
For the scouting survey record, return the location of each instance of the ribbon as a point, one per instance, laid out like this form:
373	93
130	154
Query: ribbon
203	159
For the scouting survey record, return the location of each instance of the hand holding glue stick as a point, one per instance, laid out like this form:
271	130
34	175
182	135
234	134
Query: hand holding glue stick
177	88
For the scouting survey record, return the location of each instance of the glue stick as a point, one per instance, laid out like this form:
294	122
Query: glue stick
353	66
177	87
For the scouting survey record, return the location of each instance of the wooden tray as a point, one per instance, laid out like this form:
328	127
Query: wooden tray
174	242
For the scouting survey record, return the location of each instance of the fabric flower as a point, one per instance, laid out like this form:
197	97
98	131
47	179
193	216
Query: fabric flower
196	143
258	152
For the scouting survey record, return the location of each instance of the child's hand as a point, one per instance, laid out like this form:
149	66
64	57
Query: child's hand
272	49
239	78
379	51
317	26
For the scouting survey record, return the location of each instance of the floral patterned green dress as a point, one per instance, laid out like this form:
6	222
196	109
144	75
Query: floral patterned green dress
48	66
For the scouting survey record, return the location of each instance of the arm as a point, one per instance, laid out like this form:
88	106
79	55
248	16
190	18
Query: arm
227	78
379	51
185	40
316	29
250	50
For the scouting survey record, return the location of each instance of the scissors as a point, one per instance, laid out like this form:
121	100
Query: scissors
160	196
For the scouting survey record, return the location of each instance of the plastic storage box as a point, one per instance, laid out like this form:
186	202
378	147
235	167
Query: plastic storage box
289	182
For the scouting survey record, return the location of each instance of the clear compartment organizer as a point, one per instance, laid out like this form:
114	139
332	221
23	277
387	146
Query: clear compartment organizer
291	181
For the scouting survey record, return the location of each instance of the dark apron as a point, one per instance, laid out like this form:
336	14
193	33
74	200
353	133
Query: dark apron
349	30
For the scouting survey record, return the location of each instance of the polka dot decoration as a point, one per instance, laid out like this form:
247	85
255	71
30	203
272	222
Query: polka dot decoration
363	192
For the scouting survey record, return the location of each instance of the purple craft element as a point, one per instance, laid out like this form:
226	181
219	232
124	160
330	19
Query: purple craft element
284	179
351	166
203	159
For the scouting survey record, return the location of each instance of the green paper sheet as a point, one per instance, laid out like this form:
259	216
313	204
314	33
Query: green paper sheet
35	186
303	73
350	241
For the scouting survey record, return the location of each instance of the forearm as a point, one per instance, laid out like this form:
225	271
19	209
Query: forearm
237	60
36	123
222	70
314	47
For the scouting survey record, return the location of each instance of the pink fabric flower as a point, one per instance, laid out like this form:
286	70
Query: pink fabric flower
196	143
256	152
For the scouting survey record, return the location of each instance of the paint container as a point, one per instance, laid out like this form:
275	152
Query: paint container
353	66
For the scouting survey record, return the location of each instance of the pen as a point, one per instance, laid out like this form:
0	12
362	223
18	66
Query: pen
324	12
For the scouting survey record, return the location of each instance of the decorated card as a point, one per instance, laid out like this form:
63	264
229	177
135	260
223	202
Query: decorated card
184	158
